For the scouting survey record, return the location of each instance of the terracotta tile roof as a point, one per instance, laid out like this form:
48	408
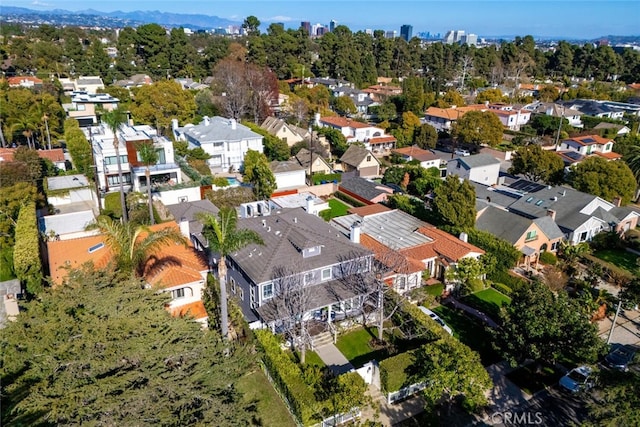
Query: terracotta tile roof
382	139
634	86
447	245
369	209
16	81
195	309
444	113
344	122
6	154
590	140
421	252
55	154
74	253
610	155
416	152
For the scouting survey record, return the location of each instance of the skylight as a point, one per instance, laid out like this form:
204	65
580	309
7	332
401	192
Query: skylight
94	248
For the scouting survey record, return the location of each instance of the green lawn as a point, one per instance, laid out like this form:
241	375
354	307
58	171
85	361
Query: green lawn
355	346
271	410
312	358
470	332
336	208
487	301
620	258
531	381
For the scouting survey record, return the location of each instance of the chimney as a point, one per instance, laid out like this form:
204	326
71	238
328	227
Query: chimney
295	219
317	119
564	193
356	228
174	124
264	222
551	213
184	227
234	124
464	237
206	120
617	201
310	205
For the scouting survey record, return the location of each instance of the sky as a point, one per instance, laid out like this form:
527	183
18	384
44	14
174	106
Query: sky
577	19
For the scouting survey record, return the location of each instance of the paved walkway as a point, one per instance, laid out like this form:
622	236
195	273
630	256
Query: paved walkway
472	311
334	360
390	415
504	394
627	330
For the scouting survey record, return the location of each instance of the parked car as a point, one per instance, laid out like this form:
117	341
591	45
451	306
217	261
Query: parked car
436	318
462	153
577	379
620	357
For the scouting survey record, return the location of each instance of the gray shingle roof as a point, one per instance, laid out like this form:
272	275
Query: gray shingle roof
278	230
495	196
355	155
477	160
190	211
218	129
365	188
549	227
285	166
506	225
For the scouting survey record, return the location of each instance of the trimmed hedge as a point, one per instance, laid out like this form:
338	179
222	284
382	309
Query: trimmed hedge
346	198
393	371
506	279
26	256
549	258
502	288
288	378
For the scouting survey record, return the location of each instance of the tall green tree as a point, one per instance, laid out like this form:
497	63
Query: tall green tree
79	148
453	372
426	136
132	245
617	401
537	164
544	326
478	127
633	161
88	346
256	171
159	103
224	237
251	25
149	157
454	203
603	178
26	256
114	119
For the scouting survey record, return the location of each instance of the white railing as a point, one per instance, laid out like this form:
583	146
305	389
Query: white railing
405	392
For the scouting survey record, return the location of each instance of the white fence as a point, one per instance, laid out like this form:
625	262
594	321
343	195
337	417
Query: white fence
405	392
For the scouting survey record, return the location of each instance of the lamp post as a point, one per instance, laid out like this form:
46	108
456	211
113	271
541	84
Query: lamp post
310	152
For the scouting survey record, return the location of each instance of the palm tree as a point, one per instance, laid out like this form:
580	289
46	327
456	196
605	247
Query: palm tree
27	125
114	119
633	161
130	245
223	238
148	157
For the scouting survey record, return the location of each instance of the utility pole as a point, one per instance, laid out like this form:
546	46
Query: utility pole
555	146
615	319
310	153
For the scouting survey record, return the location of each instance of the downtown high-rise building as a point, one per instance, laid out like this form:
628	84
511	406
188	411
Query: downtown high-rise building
332	25
306	25
406	32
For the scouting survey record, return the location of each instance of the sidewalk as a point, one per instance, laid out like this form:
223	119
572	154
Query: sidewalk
472	311
334	360
504	394
390	415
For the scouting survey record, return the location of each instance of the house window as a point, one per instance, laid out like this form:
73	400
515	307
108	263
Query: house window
241	291
113	160
177	293
267	291
401	283
115	179
531	235
308	278
554	246
326	274
583	236
368	158
607	147
233	285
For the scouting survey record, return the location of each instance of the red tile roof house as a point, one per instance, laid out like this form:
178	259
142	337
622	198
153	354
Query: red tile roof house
24	81
175	268
405	245
576	149
373	137
55	155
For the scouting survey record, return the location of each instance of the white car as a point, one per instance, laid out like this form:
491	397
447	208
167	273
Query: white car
436	318
462	153
577	379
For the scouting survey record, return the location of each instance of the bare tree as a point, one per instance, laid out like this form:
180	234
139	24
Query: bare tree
263	89
291	301
230	82
467	65
378	284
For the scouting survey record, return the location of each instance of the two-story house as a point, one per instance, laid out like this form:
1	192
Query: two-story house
361	161
225	140
407	247
373	138
482	168
88	84
306	251
574	150
283	130
133	170
574	117
426	158
83	106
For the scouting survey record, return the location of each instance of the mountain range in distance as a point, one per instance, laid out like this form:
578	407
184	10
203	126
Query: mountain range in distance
92	17
119	19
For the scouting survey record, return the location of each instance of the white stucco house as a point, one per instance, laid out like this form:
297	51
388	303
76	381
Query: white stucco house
225	140
481	168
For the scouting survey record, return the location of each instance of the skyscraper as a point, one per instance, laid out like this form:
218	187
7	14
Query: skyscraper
332	25
306	25
406	32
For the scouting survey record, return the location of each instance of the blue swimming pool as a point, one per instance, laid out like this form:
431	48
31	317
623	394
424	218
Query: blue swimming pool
233	181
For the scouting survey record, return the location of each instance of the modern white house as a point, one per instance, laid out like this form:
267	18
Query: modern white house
83	106
88	84
481	168
225	140
165	171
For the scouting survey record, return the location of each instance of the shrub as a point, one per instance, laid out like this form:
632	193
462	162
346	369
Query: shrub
26	257
502	288
505	254
200	166
112	206
329	177
503	277
547	257
393	375
346	198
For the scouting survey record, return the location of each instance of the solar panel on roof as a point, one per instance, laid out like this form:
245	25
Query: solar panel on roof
526	186
539	202
588	140
573	155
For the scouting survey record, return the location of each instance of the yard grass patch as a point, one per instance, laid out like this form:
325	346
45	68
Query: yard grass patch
487	301
312	358
531	381
271	410
355	346
620	258
336	208
470	332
